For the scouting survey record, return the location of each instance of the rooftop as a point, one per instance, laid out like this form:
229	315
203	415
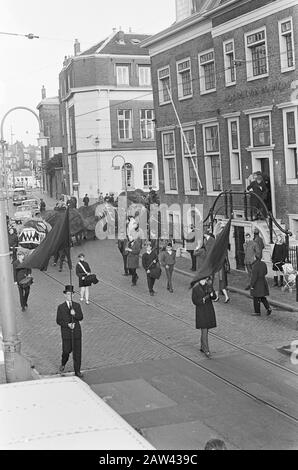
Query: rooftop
119	43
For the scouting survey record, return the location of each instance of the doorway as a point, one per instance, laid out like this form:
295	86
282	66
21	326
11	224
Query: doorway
263	161
239	247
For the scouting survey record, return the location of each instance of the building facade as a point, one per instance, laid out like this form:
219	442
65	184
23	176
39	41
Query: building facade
49	115
107	118
229	69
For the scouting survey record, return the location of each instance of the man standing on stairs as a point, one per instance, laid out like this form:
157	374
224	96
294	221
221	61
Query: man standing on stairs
278	259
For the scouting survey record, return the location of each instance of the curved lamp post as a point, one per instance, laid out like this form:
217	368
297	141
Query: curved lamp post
17	367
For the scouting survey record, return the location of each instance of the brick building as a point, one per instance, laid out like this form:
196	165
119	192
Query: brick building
231	70
49	115
106	106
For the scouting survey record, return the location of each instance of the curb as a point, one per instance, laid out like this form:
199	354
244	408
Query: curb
275	303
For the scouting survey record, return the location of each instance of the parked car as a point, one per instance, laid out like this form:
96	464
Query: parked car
19	195
34	203
24	212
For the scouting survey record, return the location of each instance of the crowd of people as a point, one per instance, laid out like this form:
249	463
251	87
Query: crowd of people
157	258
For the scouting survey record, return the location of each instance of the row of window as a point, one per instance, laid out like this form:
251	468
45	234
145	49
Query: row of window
128	176
124	75
261	136
125	124
256	60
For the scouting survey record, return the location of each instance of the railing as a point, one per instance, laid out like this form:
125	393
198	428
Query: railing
252	206
293	256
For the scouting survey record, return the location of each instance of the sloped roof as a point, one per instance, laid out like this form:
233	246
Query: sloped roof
119	44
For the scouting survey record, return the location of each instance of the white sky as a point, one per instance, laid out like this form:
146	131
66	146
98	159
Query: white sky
27	64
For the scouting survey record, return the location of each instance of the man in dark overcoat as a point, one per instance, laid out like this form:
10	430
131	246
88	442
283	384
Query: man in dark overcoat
122	245
259	286
69	315
133	249
202	297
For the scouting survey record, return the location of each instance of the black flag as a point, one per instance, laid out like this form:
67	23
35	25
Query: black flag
57	238
216	257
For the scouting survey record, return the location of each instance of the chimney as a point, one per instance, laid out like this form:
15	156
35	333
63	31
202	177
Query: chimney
77	47
43	92
121	37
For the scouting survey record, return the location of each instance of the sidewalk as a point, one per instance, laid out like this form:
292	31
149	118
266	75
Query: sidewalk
237	281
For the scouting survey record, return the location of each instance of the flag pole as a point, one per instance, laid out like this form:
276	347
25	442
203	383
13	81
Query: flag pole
184	138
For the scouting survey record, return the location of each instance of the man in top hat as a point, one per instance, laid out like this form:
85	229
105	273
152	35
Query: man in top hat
69	315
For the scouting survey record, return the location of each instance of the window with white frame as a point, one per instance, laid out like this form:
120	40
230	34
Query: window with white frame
286	41
148	175
122	74
212	158
290	142
164	85
184	79
260	130
229	62
207	72
147	124
127	176
190	161
234	148
169	156
125	124
144	75
256	54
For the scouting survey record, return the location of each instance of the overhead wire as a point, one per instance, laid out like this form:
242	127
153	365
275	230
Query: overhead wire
175	88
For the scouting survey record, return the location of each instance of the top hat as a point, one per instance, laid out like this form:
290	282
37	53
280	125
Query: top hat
68	289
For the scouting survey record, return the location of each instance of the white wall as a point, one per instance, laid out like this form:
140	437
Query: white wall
110	180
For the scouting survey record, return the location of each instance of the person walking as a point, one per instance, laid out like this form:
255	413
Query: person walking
13	241
149	261
20	273
42	206
202	297
278	259
133	251
61	255
82	271
86	200
259	286
190	244
250	252
222	279
168	261
259	243
122	245
69	315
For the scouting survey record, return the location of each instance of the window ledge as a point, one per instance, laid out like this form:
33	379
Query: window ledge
206	92
125	140
236	181
288	69
250	79
171	191
213	193
183	98
291	181
230	84
192	193
164	103
260	149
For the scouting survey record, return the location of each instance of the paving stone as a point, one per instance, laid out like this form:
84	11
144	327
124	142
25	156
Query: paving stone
130	396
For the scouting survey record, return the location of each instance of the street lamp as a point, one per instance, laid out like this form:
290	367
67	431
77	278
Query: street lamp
17	367
121	221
